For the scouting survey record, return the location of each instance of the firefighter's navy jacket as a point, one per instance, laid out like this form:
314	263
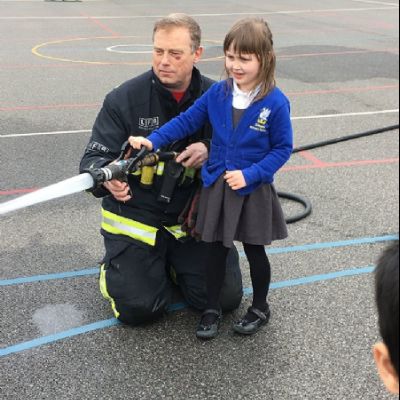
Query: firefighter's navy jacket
136	108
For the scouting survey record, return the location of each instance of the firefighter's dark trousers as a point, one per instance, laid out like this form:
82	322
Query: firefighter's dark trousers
136	278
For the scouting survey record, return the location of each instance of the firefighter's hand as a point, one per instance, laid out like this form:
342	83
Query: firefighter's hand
120	190
137	142
194	156
235	180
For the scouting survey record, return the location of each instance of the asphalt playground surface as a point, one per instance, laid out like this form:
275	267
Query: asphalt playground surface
338	62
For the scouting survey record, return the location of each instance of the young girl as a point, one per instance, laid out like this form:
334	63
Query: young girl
252	140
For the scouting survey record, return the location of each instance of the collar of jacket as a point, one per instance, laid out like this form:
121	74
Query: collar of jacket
194	91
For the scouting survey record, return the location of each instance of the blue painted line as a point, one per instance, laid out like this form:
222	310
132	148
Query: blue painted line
276	250
49	277
175	307
317	278
328	245
58	336
323	278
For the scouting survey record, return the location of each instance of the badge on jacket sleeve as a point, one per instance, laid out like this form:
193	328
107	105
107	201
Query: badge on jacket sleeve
262	121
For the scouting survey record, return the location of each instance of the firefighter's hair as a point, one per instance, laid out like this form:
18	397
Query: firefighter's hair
179	20
253	36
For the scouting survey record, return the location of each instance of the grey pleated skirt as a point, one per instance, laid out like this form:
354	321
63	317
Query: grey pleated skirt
225	216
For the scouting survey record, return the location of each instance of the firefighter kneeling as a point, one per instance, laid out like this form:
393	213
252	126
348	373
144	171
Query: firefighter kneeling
147	252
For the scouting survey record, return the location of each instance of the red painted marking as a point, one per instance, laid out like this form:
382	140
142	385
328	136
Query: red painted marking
311	157
372	26
16	191
343	90
333	53
283	57
292	94
340	164
115	35
384	25
103	26
49	107
41	66
377	26
308	31
285	169
64	65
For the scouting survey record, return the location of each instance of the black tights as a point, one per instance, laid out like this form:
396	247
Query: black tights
260	270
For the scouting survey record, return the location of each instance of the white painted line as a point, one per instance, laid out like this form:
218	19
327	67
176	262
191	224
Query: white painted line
50	1
44	133
359	114
382	3
293	12
113	49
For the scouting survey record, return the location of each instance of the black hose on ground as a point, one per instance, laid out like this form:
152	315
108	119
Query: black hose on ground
345	138
298	199
303	200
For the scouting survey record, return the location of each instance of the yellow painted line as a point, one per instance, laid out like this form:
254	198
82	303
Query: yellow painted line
36	51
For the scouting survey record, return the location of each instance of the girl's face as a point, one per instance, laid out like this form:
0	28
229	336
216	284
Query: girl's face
244	69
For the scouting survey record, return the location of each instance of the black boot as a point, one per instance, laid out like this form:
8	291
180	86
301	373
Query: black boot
249	326
209	324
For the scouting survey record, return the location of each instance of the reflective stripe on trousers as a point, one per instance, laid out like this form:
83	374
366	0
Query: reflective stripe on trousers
104	291
113	223
117	225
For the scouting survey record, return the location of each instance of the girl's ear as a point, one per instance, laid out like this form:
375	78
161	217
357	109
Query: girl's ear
385	368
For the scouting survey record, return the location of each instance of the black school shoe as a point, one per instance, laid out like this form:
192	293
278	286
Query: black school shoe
209	331
245	327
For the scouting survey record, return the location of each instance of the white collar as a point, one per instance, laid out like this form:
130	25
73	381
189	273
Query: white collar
242	100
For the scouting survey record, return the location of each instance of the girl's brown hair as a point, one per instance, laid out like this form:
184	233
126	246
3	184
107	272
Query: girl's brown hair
253	36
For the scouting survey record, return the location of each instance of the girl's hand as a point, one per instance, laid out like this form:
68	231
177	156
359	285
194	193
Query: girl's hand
235	180
137	142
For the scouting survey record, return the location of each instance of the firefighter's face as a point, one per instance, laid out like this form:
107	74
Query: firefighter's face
174	58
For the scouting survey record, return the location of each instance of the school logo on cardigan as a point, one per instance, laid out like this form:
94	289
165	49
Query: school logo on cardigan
262	121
